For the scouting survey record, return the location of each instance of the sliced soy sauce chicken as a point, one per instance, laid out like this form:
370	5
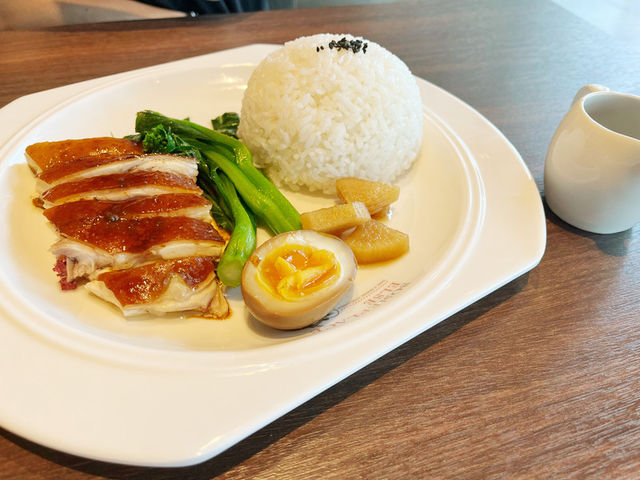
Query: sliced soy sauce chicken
92	243
134	228
118	187
43	155
83	168
187	284
190	205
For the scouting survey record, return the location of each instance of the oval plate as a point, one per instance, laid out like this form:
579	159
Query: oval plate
176	390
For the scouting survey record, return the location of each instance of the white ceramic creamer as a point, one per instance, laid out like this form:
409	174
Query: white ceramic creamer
592	169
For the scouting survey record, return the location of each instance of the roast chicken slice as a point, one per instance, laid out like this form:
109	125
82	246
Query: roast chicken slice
95	243
135	229
186	284
189	205
118	187
43	155
100	165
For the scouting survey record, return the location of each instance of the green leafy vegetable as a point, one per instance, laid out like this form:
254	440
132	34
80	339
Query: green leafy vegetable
227	123
229	180
234	159
243	239
220	212
161	140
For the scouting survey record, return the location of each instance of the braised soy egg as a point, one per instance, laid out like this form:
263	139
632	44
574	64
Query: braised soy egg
296	278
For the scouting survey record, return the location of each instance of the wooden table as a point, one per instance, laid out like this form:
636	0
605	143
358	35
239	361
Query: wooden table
540	378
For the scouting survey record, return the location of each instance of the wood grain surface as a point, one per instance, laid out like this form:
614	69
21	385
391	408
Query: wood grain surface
540	379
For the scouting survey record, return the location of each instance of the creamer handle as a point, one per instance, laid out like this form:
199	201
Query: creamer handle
592	87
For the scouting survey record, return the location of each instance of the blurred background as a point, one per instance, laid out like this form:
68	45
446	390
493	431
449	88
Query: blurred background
619	18
16	14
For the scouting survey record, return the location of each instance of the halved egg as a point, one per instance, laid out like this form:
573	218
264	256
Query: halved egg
296	278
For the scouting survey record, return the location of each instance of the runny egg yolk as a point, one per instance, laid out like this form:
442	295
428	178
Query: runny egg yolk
293	271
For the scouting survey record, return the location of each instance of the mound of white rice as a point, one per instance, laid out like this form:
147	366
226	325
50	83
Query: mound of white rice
311	113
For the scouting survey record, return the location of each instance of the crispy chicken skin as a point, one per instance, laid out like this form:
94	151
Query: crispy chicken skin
189	205
164	286
119	187
43	155
100	165
133	228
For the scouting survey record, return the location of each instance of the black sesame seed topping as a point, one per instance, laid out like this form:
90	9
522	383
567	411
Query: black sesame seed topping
354	45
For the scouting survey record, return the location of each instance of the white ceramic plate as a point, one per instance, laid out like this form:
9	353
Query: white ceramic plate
77	377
